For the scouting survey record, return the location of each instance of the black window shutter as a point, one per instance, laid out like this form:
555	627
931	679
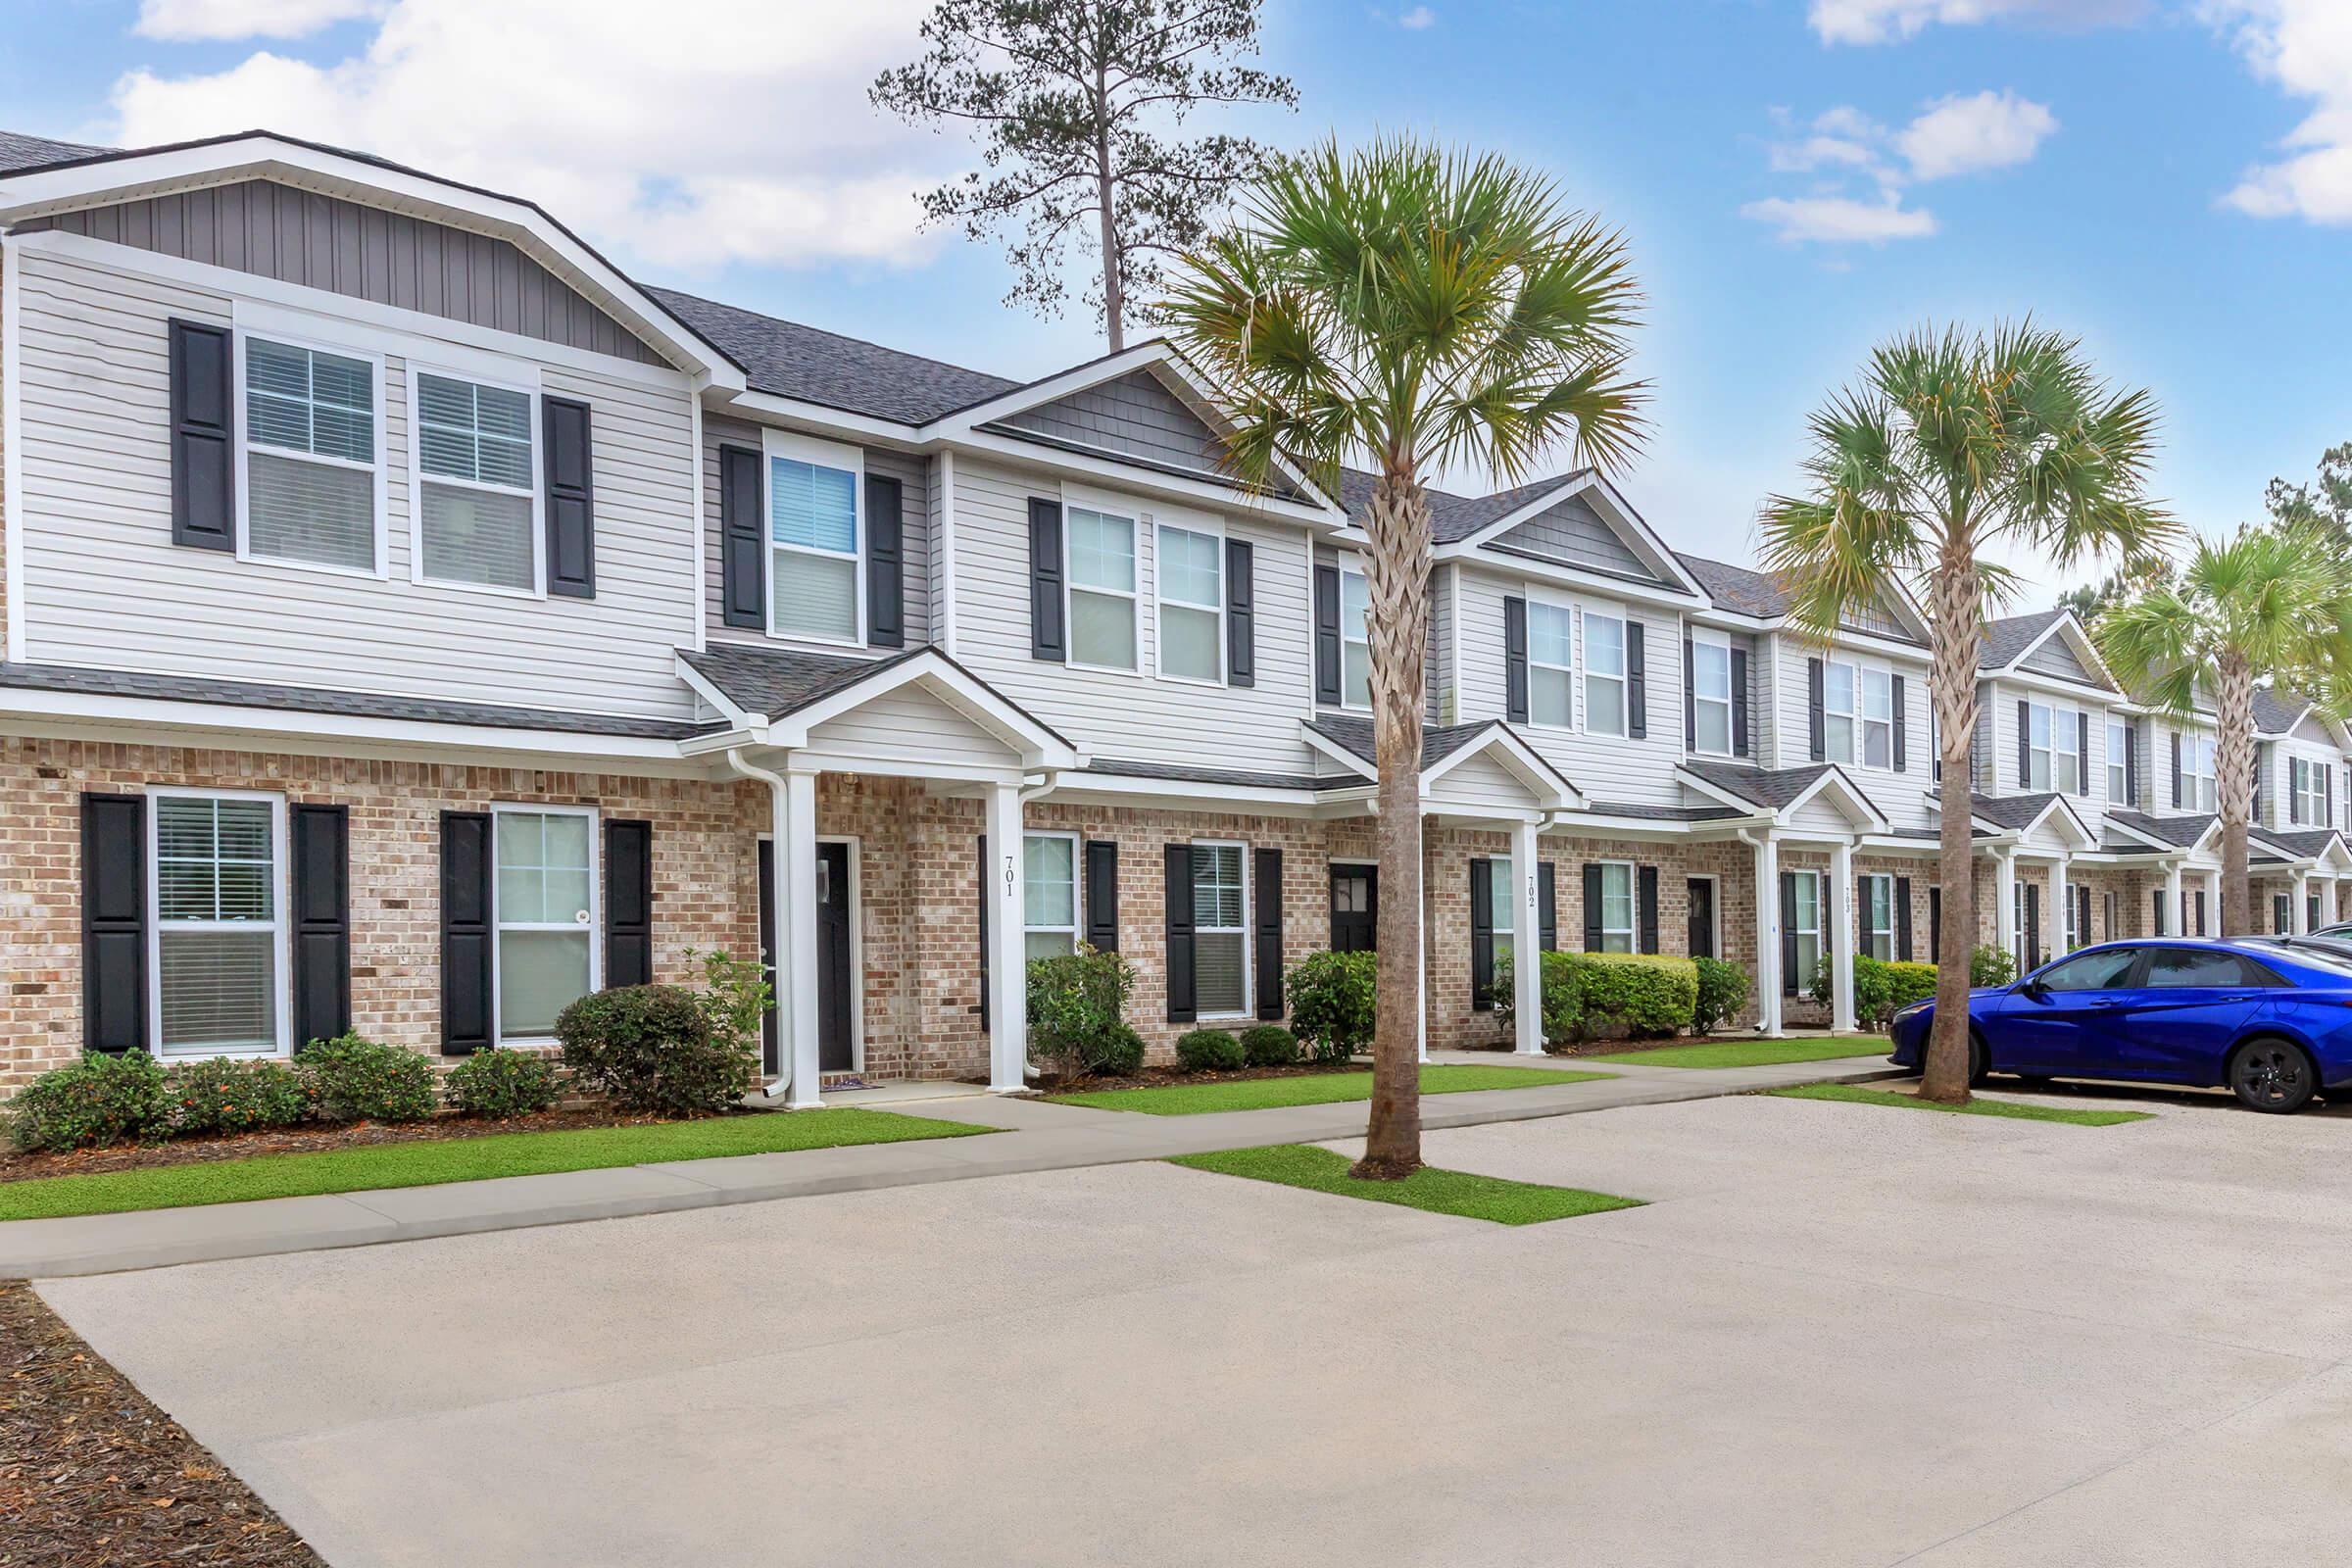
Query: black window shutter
321	886
1482	934
1902	918
114	922
1647	877
885	564
1047	638
985	870
2082	754
1690	700
570	499
1327	637
1591	908
1901	727
1241	614
2175	770
2083	914
1740	701
2025	744
203	420
1788	933
628	904
2327	794
1266	893
2294	789
1934	925
2131	768
2033	926
1547	909
466	872
1103	895
1637	682
1815	712
741	541
1183	1007
1514	660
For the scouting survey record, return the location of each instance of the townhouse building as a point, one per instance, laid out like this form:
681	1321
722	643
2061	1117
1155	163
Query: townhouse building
414	624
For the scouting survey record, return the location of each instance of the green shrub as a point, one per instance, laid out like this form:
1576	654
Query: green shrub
652	1048
735	997
1722	992
1874	992
1117	1053
1208	1050
233	1094
1990	965
1647	994
1907	983
102	1099
502	1083
1562	992
1078	1009
1333	996
351	1079
1270	1044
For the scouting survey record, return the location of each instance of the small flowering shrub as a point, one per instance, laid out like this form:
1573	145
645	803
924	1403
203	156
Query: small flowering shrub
102	1099
351	1079
231	1095
502	1083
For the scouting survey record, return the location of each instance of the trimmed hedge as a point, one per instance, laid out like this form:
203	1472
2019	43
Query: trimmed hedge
1078	1010
1270	1044
1722	992
102	1099
1643	995
1333	998
500	1083
1208	1050
652	1048
1908	982
234	1094
352	1079
1117	1052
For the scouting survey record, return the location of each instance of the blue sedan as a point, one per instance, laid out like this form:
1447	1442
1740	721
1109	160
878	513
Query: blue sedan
2270	1018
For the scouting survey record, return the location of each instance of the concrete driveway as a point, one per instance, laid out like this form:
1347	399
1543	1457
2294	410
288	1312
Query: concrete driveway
1839	1334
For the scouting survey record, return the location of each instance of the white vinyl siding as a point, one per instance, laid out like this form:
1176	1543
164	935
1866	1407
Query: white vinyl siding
1550	666
216	959
546	886
312	454
1220	930
1050	893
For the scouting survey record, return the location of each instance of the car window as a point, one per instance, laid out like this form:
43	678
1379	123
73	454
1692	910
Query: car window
2205	966
2092	972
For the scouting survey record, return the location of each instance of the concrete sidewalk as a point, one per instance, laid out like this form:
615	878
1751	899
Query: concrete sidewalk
1036	1136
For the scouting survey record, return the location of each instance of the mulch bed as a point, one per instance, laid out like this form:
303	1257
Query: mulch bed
1162	1077
92	1475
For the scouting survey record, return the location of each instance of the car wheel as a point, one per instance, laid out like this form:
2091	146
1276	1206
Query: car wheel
2273	1075
1979	1060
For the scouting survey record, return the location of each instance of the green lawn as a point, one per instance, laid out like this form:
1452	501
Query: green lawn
1855	1094
1751	1052
1311	1089
1440	1192
457	1160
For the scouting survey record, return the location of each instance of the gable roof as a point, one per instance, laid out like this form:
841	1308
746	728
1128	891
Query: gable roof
2182	832
1741	588
19	151
2275	714
1437	741
2007	639
1451	517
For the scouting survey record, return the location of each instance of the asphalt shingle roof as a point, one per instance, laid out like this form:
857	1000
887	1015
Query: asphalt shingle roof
1741	588
776	680
1206	775
1662	813
1451	517
2303	843
1437	741
2179	831
2007	639
2013	811
1775	787
2275	714
20	152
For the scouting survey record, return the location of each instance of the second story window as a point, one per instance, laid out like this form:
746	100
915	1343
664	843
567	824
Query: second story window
1604	675
2197	773
1837	712
1877	718
1550	666
1192	604
477	496
1711	696
1356	639
2118	764
1101	574
815	574
2054	748
311	456
2308	783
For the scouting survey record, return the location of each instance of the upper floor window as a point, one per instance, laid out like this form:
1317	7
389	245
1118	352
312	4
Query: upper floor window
1711	696
219	951
1550	666
1192	603
1050	893
1857	706
477	494
816	576
2197	773
1356	639
1877	718
312	460
2054	748
2119	762
1101	589
1604	675
2307	783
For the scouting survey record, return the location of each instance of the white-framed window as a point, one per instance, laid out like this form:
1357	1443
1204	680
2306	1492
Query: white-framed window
2107	916
2308	788
1877	915
1050	893
815	523
1616	907
1807	927
2119	768
1711	696
1355	639
1220	930
547	954
311	469
1550	666
2073	920
1190	566
1877	688
2197	773
1502	909
1838	714
218	957
476	520
1101	568
1604	673
2053	747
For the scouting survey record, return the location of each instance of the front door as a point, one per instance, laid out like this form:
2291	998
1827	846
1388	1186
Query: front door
835	991
1703	918
1354	908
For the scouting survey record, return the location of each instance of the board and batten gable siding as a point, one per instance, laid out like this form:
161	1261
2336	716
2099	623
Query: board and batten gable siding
1901	796
2056	657
324	242
916	515
1570	532
1135	416
1113	715
106	588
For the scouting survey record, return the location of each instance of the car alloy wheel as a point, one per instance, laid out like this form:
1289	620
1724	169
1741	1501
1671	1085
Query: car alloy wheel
2271	1075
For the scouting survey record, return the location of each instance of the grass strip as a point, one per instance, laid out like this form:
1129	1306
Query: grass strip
458	1160
1855	1094
1311	1089
1749	1052
1438	1192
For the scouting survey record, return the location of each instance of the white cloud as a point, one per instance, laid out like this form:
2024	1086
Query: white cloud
1842	219
1964	135
1415	20
2305	47
183	19
725	133
1868	21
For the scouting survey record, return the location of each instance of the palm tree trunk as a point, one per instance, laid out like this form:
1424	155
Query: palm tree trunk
1955	610
2235	761
1397	577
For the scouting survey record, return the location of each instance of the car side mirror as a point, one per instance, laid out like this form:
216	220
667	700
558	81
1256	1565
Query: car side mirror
2035	989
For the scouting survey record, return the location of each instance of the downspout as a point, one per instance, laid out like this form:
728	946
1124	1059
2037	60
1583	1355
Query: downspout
1030	792
776	828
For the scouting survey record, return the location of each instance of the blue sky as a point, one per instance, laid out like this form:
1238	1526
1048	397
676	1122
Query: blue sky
1796	179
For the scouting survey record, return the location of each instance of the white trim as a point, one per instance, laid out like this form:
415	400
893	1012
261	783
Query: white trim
1710	637
698	543
1818	931
1554	791
1077	844
1358	570
1632	907
12	438
792	447
1714	880
1572	669
1126	475
595	925
944	613
1862	908
1036	746
1213	530
1586	615
374	357
1643	541
281	922
519	378
1246	930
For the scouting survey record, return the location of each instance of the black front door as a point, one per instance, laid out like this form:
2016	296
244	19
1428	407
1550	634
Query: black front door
1354	908
835	993
1703	918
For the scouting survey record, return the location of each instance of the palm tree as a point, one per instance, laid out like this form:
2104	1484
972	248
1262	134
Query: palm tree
2269	601
1409	309
1952	444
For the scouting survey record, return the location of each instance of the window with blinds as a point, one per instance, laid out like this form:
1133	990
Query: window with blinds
218	925
812	543
478	487
1102	581
310	458
1221	931
1192	604
546	918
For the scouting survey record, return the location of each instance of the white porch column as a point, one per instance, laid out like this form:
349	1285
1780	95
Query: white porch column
2004	907
1843	936
2058	907
796	938
2298	917
2333	903
2176	922
1008	965
2213	904
1421	935
1768	936
1526	943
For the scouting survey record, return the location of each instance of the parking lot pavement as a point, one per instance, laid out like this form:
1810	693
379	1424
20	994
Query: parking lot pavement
1839	1335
